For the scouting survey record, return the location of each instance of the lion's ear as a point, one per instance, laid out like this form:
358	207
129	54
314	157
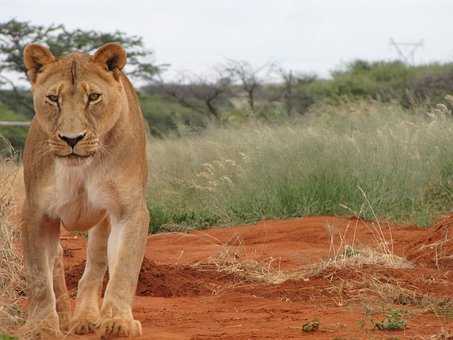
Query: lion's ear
35	57
112	55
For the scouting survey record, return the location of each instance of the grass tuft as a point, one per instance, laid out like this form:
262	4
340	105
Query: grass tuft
393	321
11	268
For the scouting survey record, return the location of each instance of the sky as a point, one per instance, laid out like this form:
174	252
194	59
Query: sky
313	36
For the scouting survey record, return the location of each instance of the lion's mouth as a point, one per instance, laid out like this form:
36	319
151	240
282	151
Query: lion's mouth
74	155
75	159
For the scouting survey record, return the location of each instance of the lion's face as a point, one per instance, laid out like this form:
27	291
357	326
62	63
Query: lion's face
77	99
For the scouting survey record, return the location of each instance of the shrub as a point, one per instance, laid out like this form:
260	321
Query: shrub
14	135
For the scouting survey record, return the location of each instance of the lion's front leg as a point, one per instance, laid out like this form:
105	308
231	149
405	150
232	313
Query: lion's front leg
63	303
40	243
126	247
86	313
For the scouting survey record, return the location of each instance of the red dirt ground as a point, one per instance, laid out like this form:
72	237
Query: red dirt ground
184	294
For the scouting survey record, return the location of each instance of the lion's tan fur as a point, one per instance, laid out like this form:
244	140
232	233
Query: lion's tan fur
97	185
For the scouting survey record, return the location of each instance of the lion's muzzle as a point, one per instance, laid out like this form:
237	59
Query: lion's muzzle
73	138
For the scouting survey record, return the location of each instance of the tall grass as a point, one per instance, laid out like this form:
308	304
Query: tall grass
400	159
11	268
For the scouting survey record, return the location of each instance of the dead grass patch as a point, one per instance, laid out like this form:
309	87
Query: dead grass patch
346	252
395	294
232	259
229	260
12	282
351	257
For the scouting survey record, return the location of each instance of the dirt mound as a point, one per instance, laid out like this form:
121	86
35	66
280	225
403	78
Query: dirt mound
167	281
170	281
435	248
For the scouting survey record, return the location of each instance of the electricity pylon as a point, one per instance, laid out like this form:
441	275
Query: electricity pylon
406	50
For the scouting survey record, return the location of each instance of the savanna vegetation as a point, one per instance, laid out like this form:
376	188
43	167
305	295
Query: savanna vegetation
235	92
251	142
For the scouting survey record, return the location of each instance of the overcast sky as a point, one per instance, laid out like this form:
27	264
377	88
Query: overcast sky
307	35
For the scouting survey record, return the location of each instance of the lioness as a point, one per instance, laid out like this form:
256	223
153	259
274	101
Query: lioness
85	169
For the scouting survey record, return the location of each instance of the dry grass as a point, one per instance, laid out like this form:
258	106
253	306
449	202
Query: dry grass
444	334
230	260
356	258
395	294
233	259
11	268
378	294
347	253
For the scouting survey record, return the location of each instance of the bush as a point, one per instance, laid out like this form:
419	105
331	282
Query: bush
14	135
384	81
432	88
166	117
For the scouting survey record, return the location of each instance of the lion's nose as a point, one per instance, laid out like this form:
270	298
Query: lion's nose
72	138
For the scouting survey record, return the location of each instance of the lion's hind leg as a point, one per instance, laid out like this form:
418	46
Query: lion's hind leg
86	312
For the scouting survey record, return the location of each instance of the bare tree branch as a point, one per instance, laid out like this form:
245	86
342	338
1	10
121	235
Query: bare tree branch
250	79
199	93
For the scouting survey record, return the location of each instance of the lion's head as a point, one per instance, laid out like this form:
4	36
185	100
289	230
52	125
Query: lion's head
77	98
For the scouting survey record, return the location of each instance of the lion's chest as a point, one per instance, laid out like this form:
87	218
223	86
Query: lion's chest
76	198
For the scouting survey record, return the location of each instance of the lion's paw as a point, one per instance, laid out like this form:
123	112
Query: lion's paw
118	327
65	321
42	330
84	323
44	334
83	326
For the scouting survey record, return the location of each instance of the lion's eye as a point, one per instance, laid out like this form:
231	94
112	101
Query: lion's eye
92	97
53	98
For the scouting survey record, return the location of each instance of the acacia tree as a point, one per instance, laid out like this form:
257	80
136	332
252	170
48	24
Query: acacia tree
292	93
200	94
250	79
15	35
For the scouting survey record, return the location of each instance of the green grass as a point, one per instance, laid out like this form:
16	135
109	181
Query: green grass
7	337
393	321
331	163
